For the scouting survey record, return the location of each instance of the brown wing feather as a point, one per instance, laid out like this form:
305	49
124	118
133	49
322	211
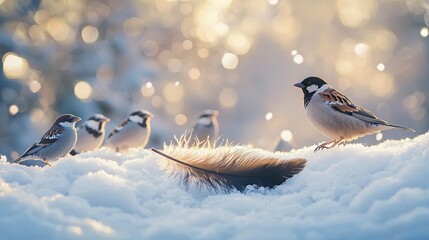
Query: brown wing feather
342	104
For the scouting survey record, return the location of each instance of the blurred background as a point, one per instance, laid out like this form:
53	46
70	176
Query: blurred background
176	58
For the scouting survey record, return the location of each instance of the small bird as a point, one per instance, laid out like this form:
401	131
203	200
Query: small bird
336	117
90	134
57	142
206	128
134	131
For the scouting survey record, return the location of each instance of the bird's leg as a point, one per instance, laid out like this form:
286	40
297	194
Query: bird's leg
47	163
324	145
337	142
344	143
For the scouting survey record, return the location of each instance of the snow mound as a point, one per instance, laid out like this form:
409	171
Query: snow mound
352	192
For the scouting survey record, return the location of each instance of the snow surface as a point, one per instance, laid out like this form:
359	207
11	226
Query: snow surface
352	192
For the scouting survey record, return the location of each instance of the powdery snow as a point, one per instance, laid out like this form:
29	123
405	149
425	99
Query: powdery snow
352	192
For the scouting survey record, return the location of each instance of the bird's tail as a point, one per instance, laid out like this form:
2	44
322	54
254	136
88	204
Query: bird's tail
401	127
17	160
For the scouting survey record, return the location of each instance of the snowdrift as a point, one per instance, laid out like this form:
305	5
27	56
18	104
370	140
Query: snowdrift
352	192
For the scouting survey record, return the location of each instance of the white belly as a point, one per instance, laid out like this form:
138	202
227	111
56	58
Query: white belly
336	125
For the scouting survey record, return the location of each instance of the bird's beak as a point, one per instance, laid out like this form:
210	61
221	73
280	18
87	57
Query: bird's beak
76	119
106	119
299	85
215	113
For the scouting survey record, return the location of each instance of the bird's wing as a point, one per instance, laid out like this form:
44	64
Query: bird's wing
342	104
50	137
118	128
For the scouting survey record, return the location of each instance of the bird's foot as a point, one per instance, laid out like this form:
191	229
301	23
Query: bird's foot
326	144
47	163
323	146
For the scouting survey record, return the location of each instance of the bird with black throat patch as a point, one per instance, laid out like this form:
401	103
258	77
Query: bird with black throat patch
206	128
57	142
336	116
91	134
133	132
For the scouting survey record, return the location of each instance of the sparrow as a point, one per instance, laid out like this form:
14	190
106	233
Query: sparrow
134	131
336	116
90	134
206	128
57	142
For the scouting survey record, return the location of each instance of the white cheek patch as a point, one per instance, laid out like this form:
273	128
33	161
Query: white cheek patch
67	124
92	124
205	121
312	88
136	119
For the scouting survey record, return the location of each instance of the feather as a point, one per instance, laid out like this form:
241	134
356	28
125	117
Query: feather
227	167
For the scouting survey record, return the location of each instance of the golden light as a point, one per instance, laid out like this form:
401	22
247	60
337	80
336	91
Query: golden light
14	66
228	98
82	90
187	44
147	89
186	8
269	116
42	16
174	65
203	53
157	101
13	109
229	61
286	135
273	2
221	29
238	43
173	93
35	86
298	59
180	119
380	67
36	115
382	84
344	67
361	49
194	73
60	30
355	13
89	34
133	26
37	33
424	32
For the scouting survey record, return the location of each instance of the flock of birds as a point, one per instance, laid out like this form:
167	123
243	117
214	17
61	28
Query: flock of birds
332	113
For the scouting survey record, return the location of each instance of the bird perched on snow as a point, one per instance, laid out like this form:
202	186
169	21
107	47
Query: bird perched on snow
336	117
90	134
206	128
134	131
57	142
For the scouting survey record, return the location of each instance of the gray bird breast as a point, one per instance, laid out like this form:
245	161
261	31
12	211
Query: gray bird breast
334	124
61	147
87	142
131	135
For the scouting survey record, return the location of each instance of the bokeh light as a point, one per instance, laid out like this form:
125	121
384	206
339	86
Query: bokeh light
89	34
14	66
229	61
286	135
83	90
